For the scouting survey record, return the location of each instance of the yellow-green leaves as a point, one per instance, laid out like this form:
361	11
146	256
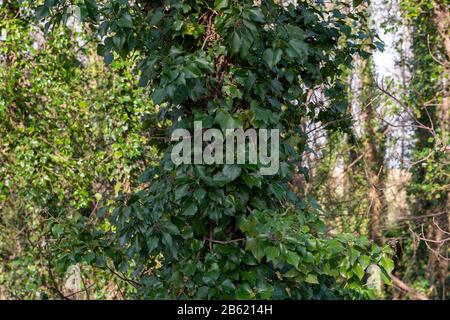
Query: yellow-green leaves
311	278
387	264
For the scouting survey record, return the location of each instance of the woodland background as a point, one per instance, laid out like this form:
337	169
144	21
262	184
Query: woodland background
74	136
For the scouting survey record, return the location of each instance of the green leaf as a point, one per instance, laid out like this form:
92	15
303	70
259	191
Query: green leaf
152	244
108	58
220	179
41	12
357	3
354	254
272	253
255	247
231	171
244	292
292	273
278	190
300	49
220	4
211	276
257	14
386	279
199	195
292	258
364	261
58	230
167	240
171	228
156	17
272	57
236	43
228	285
265	290
189	209
125	21
181	191
311	278
158	95
358	270
387	264
252	179
101	212
225	120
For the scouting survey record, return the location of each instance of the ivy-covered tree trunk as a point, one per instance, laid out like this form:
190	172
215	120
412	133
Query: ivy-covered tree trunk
429	98
373	146
214	230
441	227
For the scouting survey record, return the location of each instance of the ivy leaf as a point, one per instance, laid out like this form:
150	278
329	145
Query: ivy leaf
244	292
152	244
277	190
231	171
387	264
364	261
171	228
220	179
385	277
358	270
181	191
299	49
199	195
357	3
189	209
108	58
125	21
220	4
257	14
225	120
252	179
265	290
158	95
311	278
228	285
156	17
211	276
354	254
41	12
292	258
101	212
255	247
272	253
236	43
167	240
58	230
272	57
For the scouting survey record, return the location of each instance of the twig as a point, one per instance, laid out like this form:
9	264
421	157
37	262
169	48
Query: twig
403	286
224	242
132	282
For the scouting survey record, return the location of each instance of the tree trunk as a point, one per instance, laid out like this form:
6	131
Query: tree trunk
373	151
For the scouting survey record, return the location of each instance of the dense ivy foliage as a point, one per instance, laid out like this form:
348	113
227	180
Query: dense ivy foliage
225	231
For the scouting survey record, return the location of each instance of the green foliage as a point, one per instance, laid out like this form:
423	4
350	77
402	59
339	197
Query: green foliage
199	231
429	189
70	141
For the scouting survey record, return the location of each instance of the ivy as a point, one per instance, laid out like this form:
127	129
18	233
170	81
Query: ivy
215	231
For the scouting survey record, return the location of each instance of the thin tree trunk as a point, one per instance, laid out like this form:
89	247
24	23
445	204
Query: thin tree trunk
373	151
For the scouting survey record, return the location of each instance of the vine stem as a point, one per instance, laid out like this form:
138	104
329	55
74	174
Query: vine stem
224	241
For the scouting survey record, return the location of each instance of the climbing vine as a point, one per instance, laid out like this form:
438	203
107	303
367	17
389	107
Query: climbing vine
226	231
